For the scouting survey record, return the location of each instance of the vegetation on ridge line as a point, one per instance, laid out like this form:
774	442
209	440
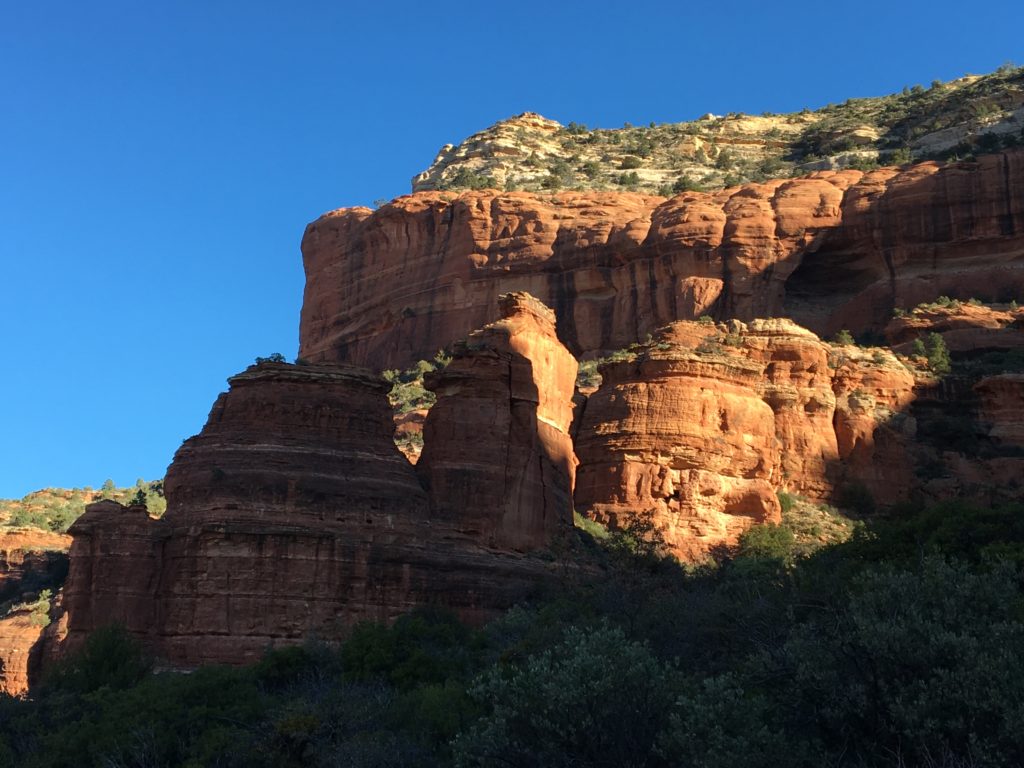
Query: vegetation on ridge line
55	509
715	152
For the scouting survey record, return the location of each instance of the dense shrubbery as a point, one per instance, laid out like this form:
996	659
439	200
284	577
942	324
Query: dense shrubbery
903	646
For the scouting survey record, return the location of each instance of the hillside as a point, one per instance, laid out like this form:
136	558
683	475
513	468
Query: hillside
958	119
54	509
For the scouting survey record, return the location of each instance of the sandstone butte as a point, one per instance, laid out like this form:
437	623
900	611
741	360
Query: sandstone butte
293	513
833	250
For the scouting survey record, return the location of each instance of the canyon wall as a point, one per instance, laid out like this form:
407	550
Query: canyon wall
836	249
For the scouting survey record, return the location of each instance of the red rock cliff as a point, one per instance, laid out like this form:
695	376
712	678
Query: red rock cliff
832	250
293	512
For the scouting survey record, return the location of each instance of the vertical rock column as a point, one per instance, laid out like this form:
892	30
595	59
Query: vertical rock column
498	460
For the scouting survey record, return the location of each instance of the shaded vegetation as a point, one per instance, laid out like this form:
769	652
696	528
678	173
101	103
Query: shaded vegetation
901	646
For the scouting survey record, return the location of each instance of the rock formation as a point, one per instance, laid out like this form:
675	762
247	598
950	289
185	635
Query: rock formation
1002	409
702	426
498	457
965	328
682	434
30	562
293	513
836	249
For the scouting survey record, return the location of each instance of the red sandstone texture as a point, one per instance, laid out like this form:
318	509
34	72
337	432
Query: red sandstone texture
963	326
837	249
20	634
702	427
28	558
498	458
293	513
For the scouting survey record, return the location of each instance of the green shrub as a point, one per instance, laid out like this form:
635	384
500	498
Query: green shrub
843	338
766	542
786	501
686	183
273	357
596	699
938	354
926	662
111	658
629	162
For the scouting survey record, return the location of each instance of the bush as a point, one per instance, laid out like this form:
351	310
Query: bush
111	658
856	497
938	354
786	501
686	183
843	338
926	663
273	357
766	542
428	645
595	699
629	162
720	724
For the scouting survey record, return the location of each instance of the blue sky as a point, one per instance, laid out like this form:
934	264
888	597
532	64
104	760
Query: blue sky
159	161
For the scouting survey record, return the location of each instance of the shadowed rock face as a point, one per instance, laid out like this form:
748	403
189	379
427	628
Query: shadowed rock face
1002	407
498	459
293	513
833	250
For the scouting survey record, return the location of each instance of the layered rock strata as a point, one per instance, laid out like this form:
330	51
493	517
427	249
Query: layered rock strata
836	249
498	457
684	437
703	425
31	561
293	513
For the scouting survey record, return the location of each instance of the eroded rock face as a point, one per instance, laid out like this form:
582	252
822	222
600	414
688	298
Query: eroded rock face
293	512
30	561
498	460
682	435
28	558
1002	407
837	249
964	327
706	423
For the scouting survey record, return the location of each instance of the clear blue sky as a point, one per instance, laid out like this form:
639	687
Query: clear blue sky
159	161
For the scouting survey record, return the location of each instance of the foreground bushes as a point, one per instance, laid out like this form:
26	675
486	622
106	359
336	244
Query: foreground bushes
902	647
